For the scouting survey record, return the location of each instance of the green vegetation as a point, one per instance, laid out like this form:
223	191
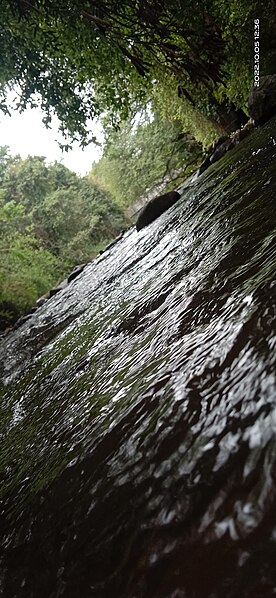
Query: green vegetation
50	220
142	154
184	67
81	59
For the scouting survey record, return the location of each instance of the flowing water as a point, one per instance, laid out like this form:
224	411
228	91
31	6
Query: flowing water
138	407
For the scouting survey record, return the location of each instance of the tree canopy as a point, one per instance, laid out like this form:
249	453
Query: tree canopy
50	220
144	154
84	58
189	61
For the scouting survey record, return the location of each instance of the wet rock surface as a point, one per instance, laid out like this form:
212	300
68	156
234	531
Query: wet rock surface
138	407
222	145
155	207
262	100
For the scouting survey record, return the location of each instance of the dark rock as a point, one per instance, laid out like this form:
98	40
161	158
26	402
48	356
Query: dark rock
262	100
205	164
75	272
216	144
155	207
41	300
62	285
242	117
229	117
223	145
210	153
242	133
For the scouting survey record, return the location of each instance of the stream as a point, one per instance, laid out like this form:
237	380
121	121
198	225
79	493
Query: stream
138	407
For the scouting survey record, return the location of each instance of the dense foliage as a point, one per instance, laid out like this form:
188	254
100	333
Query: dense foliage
83	58
50	220
143	154
188	64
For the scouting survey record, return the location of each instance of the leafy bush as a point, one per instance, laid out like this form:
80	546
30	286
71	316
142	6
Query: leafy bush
50	220
141	154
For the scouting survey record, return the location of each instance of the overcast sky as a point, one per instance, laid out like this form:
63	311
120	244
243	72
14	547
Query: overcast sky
26	135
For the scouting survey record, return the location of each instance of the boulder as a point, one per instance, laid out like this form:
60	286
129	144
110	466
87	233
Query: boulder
242	133
262	100
223	145
211	152
62	285
75	272
205	164
229	117
155	207
219	141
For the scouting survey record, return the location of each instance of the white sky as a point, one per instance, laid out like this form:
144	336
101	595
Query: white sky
26	135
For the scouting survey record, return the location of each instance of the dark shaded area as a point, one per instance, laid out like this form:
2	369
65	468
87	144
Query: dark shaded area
262	100
155	207
222	145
